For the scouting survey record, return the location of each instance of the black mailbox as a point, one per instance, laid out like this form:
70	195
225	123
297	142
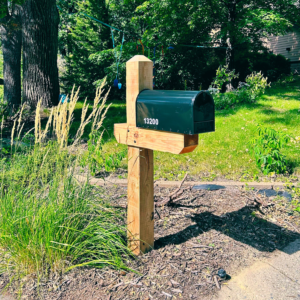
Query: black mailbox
188	112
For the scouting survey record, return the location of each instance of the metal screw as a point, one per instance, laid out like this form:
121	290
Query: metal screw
135	141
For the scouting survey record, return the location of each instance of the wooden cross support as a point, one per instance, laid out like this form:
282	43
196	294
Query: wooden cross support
141	143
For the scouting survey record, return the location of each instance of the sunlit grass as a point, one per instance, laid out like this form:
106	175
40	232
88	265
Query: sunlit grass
226	152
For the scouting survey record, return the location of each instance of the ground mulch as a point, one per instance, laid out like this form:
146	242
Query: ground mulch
197	232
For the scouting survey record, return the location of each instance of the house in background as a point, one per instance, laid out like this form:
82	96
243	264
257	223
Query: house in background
287	45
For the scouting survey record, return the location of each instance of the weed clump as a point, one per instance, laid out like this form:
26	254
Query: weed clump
267	148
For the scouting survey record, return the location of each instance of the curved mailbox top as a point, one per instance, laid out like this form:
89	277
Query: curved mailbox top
188	112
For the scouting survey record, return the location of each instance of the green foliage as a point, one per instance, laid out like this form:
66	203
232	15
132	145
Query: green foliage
267	148
286	79
113	161
225	100
223	76
270	65
96	160
3	107
242	24
255	86
3	104
90	56
247	92
79	37
6	4
50	223
296	202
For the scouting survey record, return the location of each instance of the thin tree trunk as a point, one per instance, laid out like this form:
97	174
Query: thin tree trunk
230	52
231	35
40	46
11	38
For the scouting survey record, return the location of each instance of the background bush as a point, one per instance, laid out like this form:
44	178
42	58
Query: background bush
267	148
246	92
270	65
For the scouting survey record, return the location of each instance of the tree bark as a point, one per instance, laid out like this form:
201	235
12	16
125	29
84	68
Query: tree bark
11	38
40	46
230	53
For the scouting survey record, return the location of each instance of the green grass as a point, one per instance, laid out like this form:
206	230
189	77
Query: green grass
226	152
51	223
116	114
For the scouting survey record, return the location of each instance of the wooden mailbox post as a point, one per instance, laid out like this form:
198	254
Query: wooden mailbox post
141	143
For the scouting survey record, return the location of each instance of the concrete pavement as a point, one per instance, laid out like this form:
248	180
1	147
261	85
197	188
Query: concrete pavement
276	278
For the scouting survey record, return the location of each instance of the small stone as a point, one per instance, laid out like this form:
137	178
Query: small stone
210	187
222	273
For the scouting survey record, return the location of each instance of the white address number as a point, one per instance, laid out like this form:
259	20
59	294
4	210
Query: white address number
151	121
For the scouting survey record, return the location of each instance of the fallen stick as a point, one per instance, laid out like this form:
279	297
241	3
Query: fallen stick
181	198
291	225
217	282
157	212
171	197
200	246
180	185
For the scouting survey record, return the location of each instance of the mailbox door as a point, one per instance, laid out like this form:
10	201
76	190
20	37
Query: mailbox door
204	113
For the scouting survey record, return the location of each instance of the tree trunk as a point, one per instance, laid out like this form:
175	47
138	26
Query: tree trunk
230	55
40	46
230	52
11	38
231	35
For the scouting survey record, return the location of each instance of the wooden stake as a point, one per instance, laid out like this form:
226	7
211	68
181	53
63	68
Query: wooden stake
140	200
139	76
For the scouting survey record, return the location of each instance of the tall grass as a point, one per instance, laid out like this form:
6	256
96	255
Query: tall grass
48	221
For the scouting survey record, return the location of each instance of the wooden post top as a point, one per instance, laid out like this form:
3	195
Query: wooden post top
139	76
138	58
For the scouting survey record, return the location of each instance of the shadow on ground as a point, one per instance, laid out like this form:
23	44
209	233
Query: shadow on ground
241	225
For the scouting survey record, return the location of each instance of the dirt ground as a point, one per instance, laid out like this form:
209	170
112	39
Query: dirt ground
196	234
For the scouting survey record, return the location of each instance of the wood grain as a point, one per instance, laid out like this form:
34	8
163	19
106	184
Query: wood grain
140	200
176	143
139	76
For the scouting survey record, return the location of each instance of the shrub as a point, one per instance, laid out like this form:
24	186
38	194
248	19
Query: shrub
255	86
223	76
247	92
226	100
286	79
270	65
267	148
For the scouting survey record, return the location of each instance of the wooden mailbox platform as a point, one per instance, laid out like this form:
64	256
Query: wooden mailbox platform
141	143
